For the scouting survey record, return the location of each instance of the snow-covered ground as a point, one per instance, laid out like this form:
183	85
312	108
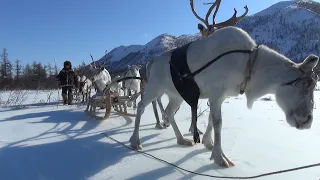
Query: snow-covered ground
43	141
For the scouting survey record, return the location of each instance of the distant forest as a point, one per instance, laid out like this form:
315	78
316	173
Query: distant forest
34	76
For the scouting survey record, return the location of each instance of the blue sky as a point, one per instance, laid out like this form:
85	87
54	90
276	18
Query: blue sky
42	30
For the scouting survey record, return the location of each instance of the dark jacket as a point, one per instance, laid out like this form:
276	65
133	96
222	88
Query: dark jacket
67	77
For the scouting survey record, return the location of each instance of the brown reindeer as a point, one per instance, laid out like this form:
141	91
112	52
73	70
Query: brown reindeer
210	28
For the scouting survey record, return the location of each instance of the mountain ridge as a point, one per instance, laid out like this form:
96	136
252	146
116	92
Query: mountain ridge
290	27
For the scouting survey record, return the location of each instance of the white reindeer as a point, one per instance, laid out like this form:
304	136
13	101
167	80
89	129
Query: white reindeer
116	87
85	87
100	78
255	71
205	31
132	84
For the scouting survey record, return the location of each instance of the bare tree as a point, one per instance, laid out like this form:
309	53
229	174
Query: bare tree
6	66
18	69
49	69
55	68
210	28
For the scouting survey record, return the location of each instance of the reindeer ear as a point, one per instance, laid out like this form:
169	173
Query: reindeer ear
201	27
309	63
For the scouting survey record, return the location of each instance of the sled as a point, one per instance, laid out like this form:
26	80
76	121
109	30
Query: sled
112	100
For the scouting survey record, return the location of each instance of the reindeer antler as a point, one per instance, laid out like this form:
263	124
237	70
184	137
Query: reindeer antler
217	4
94	64
206	20
232	21
105	60
211	27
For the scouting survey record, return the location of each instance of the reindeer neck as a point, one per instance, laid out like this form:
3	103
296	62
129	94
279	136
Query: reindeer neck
270	71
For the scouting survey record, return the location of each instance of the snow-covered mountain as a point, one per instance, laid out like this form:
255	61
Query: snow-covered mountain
120	52
290	27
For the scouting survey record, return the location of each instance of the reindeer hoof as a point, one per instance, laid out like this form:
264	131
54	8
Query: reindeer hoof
207	142
221	160
185	142
138	147
135	144
165	125
99	118
159	126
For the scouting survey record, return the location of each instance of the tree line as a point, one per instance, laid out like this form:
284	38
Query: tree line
30	76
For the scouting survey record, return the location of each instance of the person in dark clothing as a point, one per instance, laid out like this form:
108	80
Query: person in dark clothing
68	79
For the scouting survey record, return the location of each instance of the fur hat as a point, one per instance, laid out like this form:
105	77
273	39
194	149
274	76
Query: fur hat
67	63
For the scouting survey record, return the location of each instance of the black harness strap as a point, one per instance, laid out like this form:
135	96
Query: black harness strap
217	58
186	86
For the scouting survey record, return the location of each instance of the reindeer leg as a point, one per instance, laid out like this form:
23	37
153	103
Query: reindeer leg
91	109
207	137
94	109
217	154
173	105
121	107
135	101
165	120
108	105
155	111
129	104
149	95
87	106
124	91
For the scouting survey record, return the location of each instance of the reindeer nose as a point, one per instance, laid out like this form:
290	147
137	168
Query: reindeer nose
308	119
304	122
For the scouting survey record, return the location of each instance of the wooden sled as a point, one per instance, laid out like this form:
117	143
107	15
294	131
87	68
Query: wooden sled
110	99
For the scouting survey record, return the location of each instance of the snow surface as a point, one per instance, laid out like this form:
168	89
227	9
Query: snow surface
46	141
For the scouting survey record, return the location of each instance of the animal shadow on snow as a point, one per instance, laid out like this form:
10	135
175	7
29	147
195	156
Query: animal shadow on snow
58	117
74	159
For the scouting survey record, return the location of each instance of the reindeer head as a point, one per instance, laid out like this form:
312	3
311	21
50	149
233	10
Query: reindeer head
94	70
133	70
209	29
296	97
